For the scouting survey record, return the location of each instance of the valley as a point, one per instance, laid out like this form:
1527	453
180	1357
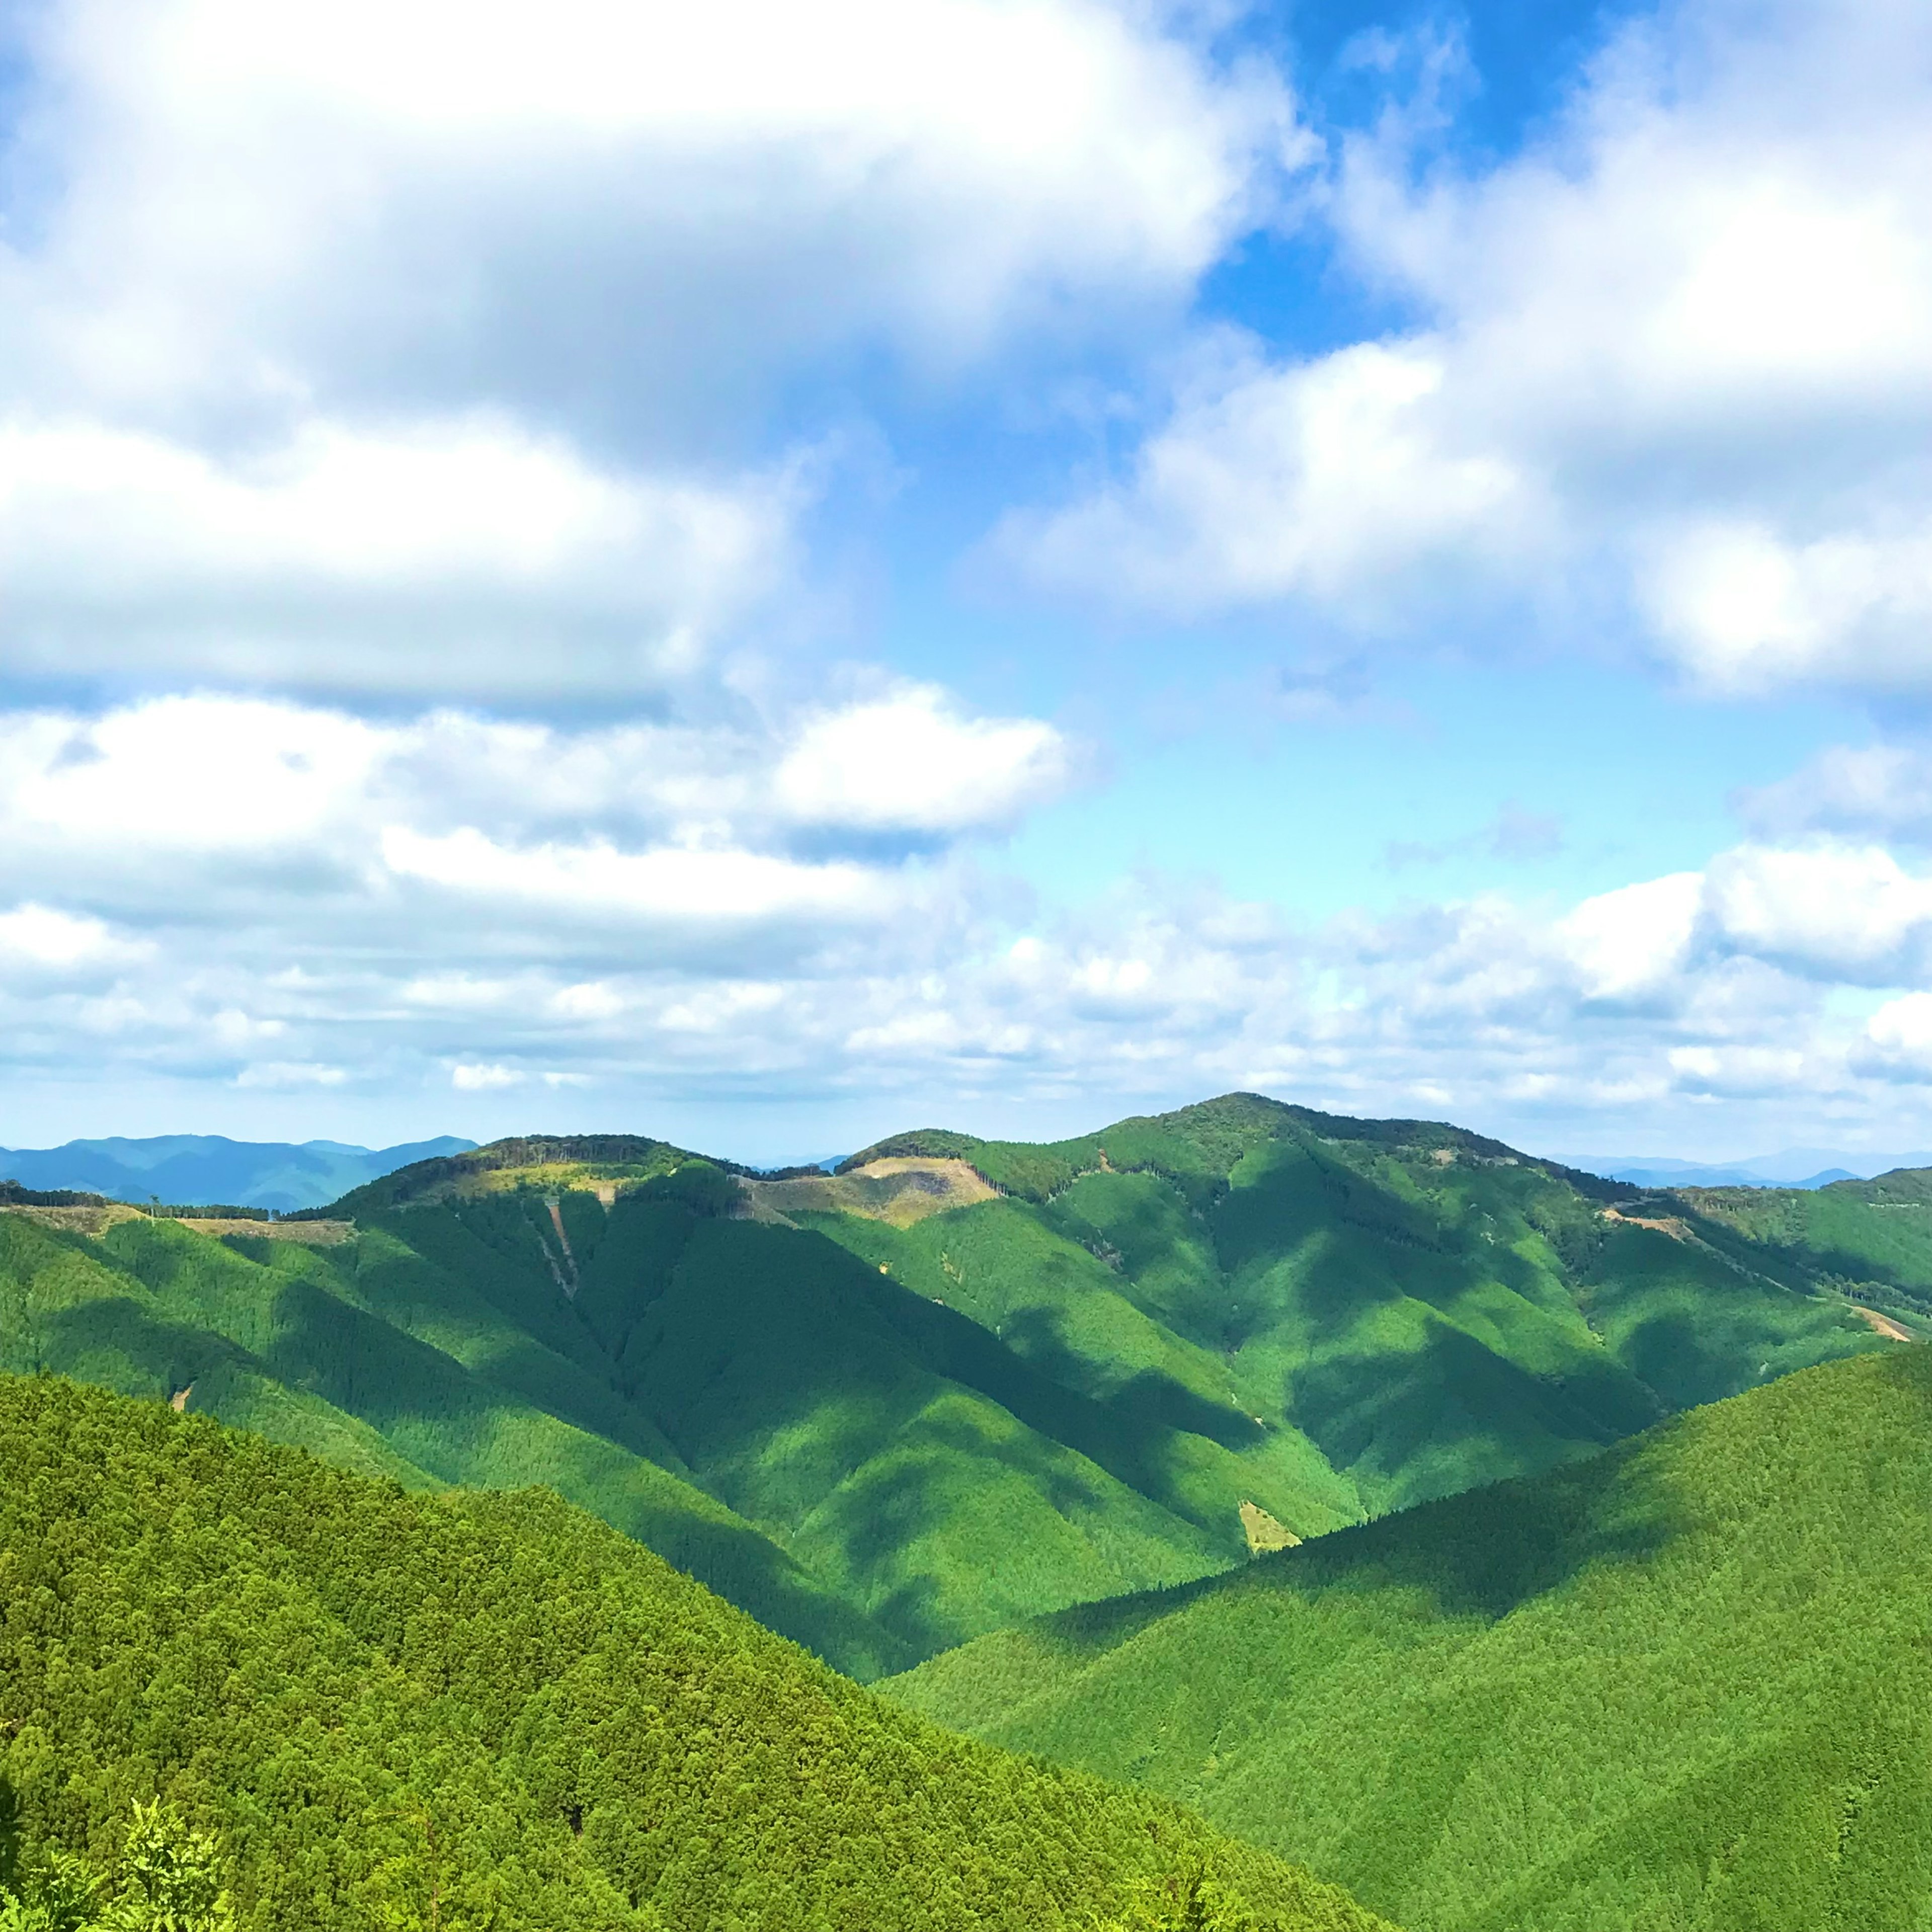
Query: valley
1266	1460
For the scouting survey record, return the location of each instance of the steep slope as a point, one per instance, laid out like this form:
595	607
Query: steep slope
405	1710
1687	1684
1429	1309
905	1456
280	1337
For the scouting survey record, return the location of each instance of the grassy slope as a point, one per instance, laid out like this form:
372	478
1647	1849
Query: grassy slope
1685	1684
1407	1308
405	1709
281	1338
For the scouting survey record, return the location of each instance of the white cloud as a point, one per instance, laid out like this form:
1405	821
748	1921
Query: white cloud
471	1076
1749	608
1898	1041
1630	1007
1880	790
690	819
38	936
297	1074
1635	940
453	554
909	762
1674	369
1848	913
1317	480
418	349
673	885
613	205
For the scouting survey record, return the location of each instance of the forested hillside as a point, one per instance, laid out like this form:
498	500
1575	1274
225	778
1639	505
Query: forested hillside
398	1710
963	1383
1429	1309
1686	1684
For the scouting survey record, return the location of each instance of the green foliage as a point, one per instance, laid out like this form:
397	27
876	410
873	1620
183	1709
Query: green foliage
171	1877
882	1440
400	1709
1683	1684
55	1892
1181	1901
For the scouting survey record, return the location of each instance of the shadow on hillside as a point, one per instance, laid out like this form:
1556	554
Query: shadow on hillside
1486	1552
1435	1420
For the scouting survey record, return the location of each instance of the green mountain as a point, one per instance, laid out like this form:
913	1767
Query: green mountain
397	1710
962	1383
1687	1684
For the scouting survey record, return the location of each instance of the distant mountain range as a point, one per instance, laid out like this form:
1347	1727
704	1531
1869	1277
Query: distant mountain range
1795	1167
194	1169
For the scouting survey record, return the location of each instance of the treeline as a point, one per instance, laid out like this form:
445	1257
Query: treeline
401	1711
13	1194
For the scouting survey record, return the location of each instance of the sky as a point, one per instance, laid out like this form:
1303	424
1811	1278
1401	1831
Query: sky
765	575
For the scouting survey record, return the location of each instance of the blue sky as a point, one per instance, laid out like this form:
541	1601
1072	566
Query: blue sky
1004	561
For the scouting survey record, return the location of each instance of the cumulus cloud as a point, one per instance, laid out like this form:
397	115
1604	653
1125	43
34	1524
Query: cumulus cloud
1897	1043
36	939
909	760
1675	363
615	208
298	902
355	560
420	349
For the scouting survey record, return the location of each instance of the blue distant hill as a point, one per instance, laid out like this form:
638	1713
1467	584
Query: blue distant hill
193	1169
1795	1167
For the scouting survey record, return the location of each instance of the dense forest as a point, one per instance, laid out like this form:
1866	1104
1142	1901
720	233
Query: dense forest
1686	1684
1543	1658
964	1383
347	1705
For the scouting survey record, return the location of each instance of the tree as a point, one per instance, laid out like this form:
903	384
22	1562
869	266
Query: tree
1185	1900
170	1878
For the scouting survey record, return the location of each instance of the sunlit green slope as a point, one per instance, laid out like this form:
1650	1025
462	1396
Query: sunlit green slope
888	1413
1429	1309
401	1710
1685	1684
917	1466
287	1339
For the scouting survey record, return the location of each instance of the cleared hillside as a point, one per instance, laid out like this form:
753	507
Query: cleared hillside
1687	1684
403	1710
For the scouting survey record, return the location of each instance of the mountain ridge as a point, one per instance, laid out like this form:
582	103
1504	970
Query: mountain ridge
887	1411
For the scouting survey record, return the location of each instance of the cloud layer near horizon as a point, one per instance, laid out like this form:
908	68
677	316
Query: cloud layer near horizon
449	903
